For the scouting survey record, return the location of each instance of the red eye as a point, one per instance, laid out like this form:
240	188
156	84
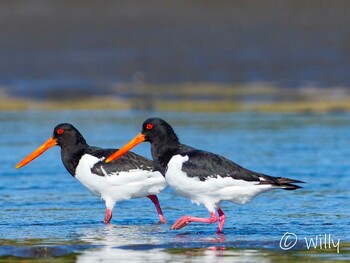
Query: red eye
149	126
60	131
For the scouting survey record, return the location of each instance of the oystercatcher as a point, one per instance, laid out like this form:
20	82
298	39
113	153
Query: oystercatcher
133	176
204	177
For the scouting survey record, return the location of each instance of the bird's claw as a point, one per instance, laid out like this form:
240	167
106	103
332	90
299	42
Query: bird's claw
181	222
162	219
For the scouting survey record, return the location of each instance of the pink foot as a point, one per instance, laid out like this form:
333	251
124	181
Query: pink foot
108	216
185	220
222	218
181	222
155	201
162	219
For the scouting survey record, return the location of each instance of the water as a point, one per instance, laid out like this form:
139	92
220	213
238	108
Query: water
46	213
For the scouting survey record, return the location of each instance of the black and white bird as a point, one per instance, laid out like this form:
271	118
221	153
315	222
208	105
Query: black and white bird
132	176
203	177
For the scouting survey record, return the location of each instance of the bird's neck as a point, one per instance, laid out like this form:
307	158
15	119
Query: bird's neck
71	156
163	151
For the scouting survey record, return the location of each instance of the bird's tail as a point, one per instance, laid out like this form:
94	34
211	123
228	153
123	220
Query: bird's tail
281	182
289	184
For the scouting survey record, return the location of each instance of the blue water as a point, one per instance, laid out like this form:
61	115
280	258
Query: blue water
45	212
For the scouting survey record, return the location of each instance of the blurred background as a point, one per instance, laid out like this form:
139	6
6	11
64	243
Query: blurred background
175	55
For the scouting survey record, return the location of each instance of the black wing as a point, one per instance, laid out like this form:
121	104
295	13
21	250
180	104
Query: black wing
126	162
205	165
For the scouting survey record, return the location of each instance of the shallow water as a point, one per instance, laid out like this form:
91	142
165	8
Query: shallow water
46	213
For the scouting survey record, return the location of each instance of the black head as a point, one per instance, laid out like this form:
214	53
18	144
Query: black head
156	129
66	134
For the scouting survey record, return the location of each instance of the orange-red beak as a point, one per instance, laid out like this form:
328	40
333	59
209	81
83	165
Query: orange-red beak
46	145
127	147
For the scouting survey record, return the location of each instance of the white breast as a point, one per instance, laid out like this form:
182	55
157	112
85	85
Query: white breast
124	185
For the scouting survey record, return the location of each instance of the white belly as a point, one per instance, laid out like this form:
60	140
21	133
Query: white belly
122	186
213	190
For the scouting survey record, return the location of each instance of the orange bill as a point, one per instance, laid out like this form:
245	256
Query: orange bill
127	147
47	145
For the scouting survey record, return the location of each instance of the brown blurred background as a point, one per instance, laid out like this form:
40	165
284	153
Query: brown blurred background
60	48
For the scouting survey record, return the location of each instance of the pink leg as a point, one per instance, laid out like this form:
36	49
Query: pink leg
155	201
185	220
108	216
222	218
